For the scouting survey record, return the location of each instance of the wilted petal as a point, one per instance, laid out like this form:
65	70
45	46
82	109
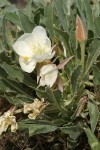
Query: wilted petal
27	65
27	107
6	120
33	115
35	108
14	126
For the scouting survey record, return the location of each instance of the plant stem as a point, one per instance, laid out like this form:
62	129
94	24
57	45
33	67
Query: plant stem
82	46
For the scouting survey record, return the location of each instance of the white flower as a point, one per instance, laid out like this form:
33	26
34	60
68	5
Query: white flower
32	48
27	65
6	120
48	75
34	109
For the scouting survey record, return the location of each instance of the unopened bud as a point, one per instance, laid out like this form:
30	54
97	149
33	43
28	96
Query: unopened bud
80	30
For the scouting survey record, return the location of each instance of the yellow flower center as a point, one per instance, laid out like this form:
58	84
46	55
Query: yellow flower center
26	58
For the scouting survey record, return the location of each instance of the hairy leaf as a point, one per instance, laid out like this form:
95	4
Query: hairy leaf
94	52
94	144
14	18
96	71
74	79
61	7
72	131
94	114
26	24
48	11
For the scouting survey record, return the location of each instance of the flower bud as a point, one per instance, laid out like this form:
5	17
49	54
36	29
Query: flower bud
80	30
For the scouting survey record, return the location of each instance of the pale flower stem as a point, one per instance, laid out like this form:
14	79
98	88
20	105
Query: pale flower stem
82	45
89	84
18	111
91	77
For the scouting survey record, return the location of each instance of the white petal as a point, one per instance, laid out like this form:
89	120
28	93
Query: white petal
42	81
29	41
41	58
40	37
39	32
35	44
47	69
50	78
48	75
27	66
22	48
24	36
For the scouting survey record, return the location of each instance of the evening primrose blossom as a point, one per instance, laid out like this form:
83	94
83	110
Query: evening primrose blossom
48	75
33	48
6	120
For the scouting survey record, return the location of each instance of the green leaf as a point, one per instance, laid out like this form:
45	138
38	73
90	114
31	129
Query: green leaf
16	87
81	9
94	144
73	131
94	52
93	113
1	46
12	71
4	57
27	25
40	3
96	72
89	16
13	100
3	74
97	26
18	100
13	85
14	18
61	8
71	144
4	37
16	73
48	11
74	79
64	38
28	10
2	3
4	87
37	127
96	9
54	96
85	11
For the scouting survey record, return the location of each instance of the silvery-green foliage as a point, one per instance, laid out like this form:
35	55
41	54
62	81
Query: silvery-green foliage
65	110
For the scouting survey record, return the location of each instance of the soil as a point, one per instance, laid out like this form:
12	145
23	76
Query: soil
51	141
